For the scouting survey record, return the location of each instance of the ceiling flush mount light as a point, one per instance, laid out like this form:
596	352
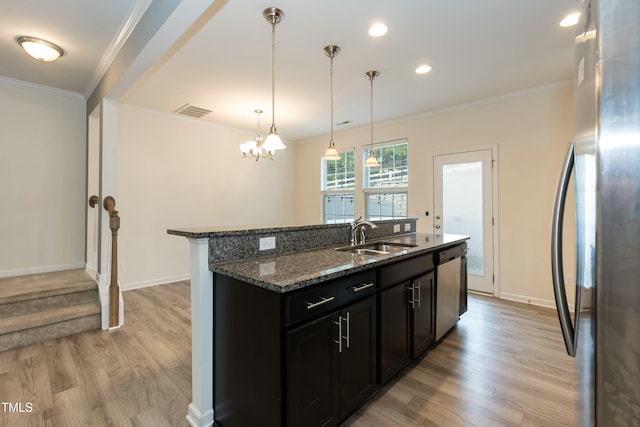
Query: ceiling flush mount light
423	69
371	162
255	149
378	29
273	15
331	154
39	49
570	20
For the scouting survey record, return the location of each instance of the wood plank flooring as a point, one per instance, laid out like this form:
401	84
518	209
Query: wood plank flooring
504	365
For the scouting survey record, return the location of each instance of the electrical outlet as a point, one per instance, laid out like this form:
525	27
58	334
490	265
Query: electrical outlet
396	228
407	227
267	243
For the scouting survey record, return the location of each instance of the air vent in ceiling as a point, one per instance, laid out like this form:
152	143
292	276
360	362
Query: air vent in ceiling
192	111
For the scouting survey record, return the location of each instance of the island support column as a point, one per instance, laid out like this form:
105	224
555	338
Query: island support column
200	412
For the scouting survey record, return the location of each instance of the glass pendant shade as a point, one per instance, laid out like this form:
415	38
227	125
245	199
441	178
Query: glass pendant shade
331	153
273	142
371	162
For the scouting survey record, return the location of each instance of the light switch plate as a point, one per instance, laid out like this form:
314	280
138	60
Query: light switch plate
267	243
396	228
407	227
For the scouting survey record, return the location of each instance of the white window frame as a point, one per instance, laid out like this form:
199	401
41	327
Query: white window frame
324	193
393	189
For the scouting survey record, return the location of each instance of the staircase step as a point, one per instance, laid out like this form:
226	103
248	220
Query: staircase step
21	308
40	307
43	333
51	316
33	286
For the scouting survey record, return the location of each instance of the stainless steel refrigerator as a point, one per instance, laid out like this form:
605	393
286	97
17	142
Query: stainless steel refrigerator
603	332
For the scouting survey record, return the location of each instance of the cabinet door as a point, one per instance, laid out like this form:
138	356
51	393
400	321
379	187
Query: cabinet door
423	313
312	374
358	379
395	332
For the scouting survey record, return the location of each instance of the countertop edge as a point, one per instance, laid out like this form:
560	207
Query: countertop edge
320	278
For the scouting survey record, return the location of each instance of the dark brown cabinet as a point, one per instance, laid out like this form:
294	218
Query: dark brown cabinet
406	313
395	332
312	374
331	365
313	356
422	313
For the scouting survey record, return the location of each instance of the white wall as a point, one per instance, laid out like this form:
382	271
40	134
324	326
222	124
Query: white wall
177	172
532	130
42	176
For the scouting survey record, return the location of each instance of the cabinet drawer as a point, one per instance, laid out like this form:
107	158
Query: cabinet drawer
324	297
449	254
405	270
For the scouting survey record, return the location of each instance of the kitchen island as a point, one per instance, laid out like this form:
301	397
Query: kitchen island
301	331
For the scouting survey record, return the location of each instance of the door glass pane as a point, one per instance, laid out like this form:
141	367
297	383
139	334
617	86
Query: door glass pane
462	208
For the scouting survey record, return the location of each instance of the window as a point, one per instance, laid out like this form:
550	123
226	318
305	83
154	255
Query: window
386	187
338	184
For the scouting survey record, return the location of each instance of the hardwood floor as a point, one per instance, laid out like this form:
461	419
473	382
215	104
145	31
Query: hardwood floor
504	364
139	375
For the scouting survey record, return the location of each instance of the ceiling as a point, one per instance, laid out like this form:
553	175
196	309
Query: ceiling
478	49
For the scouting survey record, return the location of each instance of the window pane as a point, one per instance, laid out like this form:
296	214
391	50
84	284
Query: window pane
339	174
386	206
338	208
393	170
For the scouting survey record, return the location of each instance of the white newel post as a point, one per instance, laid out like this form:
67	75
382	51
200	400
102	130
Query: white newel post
200	412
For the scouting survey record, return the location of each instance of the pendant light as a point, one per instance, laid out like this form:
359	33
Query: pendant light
255	149
331	154
371	162
273	15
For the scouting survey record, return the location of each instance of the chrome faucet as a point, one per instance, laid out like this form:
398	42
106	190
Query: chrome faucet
357	231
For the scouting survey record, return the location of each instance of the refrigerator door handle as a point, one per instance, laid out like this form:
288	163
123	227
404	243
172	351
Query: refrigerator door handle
557	271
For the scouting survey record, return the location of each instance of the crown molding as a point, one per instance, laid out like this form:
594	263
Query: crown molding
42	88
116	44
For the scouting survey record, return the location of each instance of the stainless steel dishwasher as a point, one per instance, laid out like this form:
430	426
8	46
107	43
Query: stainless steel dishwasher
447	290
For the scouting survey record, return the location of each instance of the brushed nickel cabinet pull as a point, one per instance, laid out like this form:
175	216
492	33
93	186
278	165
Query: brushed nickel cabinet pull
323	300
412	297
348	330
362	287
339	341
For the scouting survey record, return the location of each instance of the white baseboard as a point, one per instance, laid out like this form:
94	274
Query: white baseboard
529	300
40	270
154	282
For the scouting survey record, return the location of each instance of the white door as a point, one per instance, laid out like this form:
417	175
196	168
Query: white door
463	204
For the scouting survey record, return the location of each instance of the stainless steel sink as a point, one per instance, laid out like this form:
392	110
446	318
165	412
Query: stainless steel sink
377	248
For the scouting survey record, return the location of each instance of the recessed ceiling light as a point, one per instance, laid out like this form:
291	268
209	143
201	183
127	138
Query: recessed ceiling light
423	69
39	49
378	29
570	20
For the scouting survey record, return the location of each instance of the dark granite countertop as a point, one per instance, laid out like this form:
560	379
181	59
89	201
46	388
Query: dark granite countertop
290	271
